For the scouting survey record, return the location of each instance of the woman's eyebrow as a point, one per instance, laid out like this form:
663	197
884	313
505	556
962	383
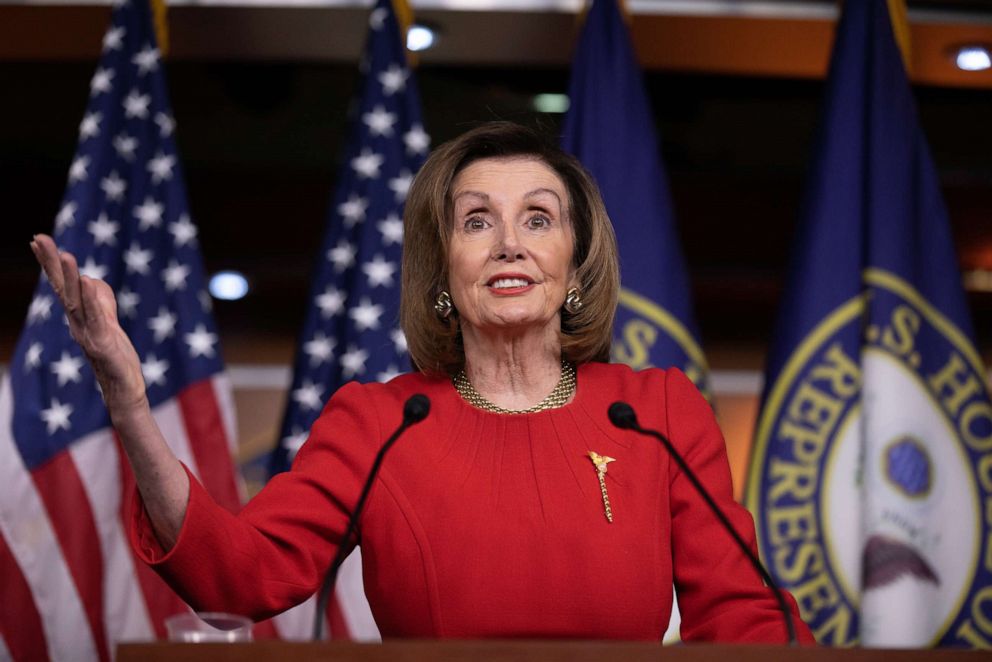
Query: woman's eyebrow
473	194
539	191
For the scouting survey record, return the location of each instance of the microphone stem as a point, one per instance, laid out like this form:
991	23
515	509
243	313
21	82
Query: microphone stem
790	625
343	548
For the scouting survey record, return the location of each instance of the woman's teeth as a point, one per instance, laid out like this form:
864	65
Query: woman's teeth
503	283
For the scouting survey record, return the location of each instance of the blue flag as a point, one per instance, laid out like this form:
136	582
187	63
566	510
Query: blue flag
352	327
64	485
610	128
870	478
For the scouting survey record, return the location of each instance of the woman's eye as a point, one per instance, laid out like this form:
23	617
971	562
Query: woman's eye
475	223
538	222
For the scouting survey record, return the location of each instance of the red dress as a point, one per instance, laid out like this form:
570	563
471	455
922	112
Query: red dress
491	525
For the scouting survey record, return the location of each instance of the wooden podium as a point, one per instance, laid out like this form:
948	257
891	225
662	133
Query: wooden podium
527	651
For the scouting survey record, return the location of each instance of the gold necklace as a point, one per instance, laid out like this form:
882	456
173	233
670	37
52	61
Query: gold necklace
558	397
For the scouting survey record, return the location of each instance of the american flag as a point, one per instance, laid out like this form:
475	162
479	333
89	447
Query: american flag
351	330
71	586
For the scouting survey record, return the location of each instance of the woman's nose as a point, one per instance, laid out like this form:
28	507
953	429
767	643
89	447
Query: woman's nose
508	247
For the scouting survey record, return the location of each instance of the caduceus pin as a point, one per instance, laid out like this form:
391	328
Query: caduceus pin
600	462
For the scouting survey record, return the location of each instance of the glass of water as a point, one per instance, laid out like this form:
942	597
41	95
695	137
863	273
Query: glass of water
208	627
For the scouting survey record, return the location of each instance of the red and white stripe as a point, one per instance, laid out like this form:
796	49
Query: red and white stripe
72	587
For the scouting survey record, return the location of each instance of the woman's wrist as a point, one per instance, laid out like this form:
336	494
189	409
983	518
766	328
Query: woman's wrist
129	413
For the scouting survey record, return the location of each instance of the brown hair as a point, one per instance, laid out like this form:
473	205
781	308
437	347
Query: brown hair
435	344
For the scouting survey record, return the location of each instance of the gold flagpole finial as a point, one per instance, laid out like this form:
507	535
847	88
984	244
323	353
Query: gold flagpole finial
900	28
404	19
161	20
580	18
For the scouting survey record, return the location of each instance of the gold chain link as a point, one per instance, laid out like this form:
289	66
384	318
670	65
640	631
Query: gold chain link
606	497
558	397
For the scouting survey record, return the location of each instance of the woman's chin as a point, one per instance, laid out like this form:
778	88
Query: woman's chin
517	321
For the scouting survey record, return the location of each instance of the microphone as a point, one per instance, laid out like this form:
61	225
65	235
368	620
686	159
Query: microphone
415	409
622	416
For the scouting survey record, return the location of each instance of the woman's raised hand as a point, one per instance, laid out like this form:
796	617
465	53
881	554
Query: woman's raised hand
91	309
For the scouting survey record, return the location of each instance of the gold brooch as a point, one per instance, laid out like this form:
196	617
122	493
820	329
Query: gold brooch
600	462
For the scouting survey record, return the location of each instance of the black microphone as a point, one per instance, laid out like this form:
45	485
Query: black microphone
622	415
415	410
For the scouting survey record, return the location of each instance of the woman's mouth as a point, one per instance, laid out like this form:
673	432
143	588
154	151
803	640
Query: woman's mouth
507	284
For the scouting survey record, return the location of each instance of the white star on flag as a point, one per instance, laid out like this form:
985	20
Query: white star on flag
91	269
104	230
113	186
77	171
331	302
416	140
67	368
153	370
294	442
376	18
32	357
308	395
367	164
146	59
174	276
379	121
366	314
353	362
90	126
56	417
136	105
149	214
166	125
113	39
399	340
162	325
401	185
393	79
388	374
137	259
161	167
184	231
319	348
392	230
353	209
342	255
125	146
40	308
127	302
379	271
65	217
101	81
201	342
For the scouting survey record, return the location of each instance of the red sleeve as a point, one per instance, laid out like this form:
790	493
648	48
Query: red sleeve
274	554
721	596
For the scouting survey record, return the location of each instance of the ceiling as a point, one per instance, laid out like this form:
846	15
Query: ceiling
787	38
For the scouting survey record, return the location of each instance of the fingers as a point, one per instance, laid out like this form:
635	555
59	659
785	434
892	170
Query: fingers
47	254
63	275
99	306
70	287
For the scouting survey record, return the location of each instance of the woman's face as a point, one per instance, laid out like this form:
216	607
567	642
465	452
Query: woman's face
510	255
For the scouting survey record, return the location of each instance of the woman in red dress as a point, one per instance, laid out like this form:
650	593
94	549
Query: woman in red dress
516	509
